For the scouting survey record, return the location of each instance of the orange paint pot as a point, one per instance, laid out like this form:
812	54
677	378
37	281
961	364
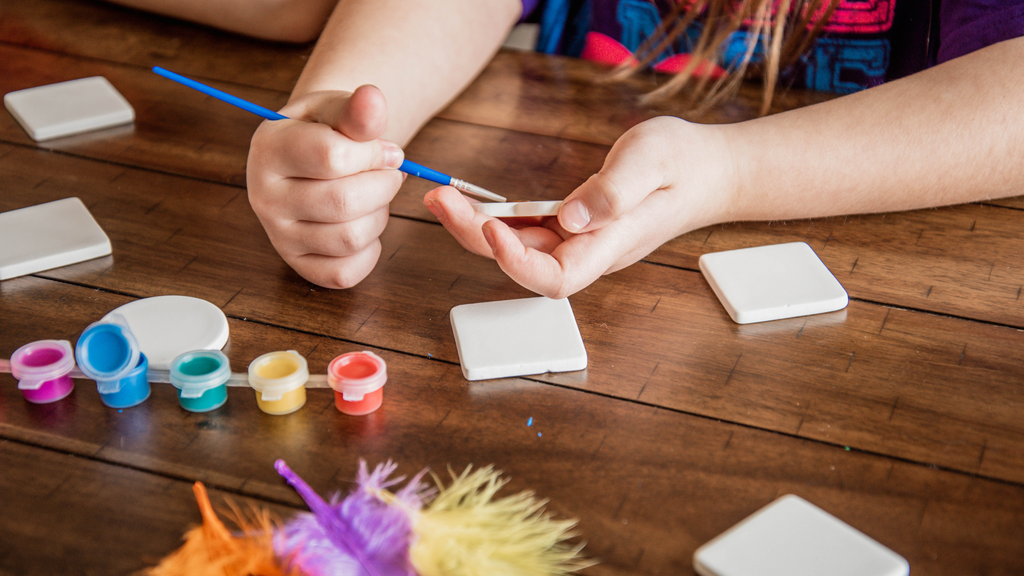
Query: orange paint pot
358	380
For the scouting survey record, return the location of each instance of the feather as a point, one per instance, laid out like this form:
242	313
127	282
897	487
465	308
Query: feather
211	550
466	531
366	534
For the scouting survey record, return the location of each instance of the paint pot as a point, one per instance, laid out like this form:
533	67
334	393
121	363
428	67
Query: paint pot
200	377
279	379
108	353
42	369
358	380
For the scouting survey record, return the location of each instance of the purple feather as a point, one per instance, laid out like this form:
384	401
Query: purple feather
358	536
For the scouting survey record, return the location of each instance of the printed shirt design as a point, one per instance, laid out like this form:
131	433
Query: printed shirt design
852	53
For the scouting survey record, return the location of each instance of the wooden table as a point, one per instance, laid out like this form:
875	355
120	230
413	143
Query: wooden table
903	414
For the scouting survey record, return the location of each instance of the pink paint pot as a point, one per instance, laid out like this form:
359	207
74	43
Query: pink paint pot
358	380
42	370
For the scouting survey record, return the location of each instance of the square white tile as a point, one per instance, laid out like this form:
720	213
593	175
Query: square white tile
772	282
49	235
792	537
67	108
517	337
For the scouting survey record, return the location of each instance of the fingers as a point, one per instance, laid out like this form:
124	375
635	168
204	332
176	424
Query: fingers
321	183
331	272
334	201
331	135
456	213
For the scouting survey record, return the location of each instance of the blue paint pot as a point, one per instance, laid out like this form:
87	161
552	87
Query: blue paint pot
201	377
109	354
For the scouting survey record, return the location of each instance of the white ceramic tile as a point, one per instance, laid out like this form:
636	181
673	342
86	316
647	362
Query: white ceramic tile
517	337
792	537
68	108
166	326
772	282
49	235
518	209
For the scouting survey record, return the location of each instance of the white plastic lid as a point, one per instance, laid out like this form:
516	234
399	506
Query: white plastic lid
107	351
289	372
41	361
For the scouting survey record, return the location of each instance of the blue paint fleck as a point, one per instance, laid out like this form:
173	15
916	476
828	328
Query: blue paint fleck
847	448
539	434
119	411
429	355
529	422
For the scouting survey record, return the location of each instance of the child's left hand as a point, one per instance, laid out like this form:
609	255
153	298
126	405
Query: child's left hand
662	178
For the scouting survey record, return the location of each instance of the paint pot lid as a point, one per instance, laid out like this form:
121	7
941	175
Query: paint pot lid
107	351
166	326
274	387
198	371
356	374
41	361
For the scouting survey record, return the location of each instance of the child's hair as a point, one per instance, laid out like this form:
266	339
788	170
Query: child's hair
785	28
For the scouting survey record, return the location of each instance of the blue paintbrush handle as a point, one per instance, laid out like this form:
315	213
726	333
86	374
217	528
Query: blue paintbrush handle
408	166
421	171
211	91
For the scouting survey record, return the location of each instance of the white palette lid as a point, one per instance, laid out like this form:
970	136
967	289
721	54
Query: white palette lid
166	326
517	337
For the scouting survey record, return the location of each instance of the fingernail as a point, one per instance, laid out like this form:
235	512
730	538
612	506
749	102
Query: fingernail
574	216
393	156
488	236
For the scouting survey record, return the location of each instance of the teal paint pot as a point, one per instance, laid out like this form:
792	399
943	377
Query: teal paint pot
109	354
201	379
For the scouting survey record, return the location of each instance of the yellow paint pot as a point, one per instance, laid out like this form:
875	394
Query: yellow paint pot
279	379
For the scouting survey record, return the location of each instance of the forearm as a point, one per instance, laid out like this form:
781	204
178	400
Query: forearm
420	54
280	20
950	134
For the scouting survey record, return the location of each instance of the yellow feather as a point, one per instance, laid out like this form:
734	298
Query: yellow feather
465	531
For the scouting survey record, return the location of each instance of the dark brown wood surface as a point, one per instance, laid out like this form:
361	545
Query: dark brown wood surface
903	414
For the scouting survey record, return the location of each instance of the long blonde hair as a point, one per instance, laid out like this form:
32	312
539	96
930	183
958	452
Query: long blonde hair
785	35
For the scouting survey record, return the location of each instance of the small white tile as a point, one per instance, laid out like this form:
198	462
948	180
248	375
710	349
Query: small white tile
517	337
67	108
792	537
49	235
518	209
772	282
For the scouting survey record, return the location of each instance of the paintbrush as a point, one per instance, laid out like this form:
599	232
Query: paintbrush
408	166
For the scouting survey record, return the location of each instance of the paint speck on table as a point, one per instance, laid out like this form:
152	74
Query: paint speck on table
529	421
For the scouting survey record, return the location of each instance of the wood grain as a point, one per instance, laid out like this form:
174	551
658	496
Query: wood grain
648	485
871	377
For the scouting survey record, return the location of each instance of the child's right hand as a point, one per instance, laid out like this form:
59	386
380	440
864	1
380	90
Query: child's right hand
321	183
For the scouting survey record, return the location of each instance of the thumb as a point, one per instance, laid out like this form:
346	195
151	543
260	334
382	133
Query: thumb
361	117
624	181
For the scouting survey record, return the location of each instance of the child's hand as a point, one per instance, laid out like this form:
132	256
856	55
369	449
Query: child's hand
321	182
662	178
